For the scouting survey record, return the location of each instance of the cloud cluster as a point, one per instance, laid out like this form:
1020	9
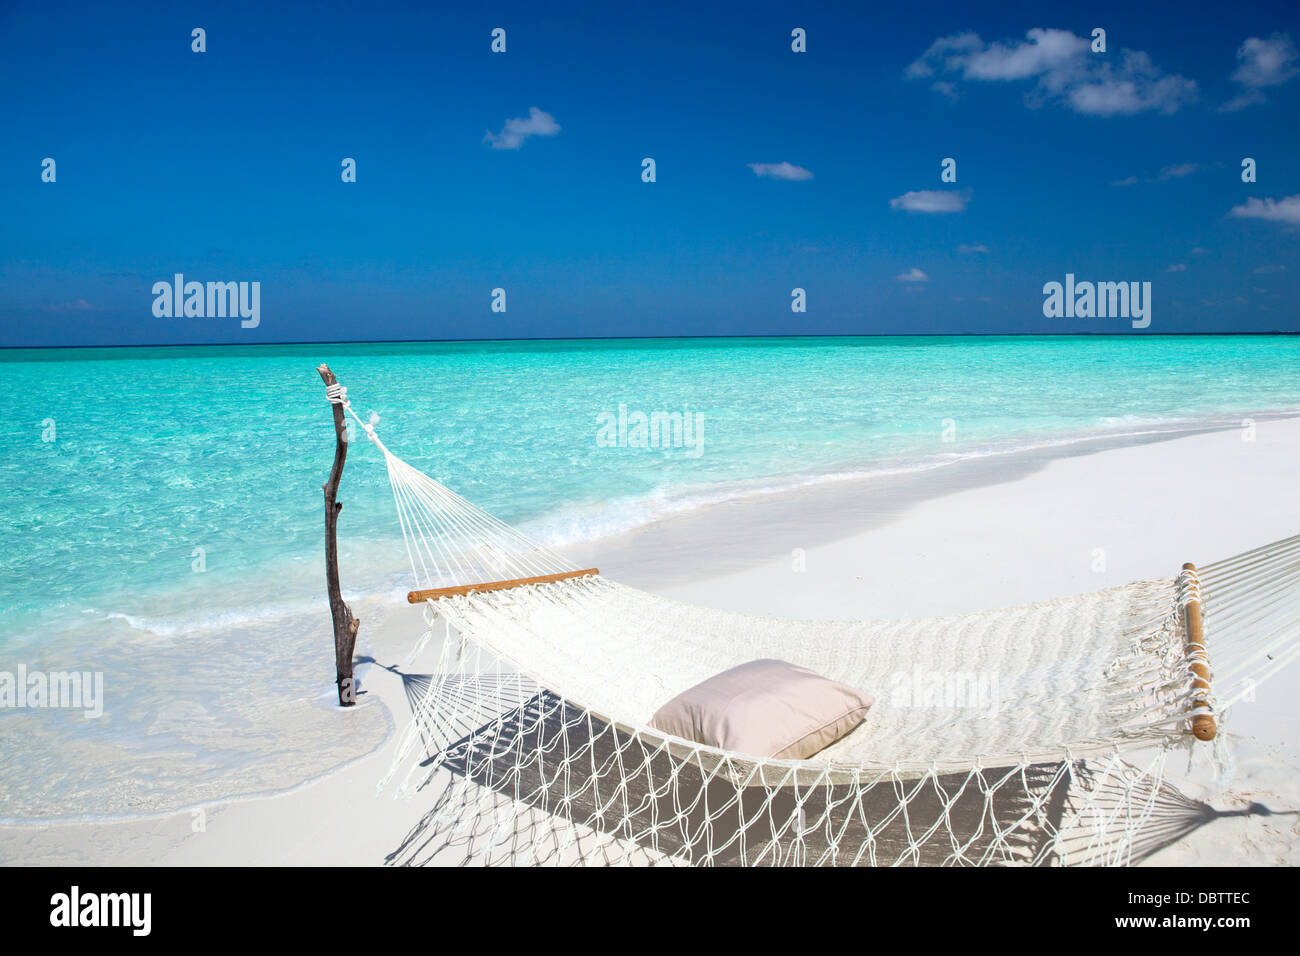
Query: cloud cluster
931	200
1273	210
1260	64
779	171
512	135
1176	171
1064	70
912	275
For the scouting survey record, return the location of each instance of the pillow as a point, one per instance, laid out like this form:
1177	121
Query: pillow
765	708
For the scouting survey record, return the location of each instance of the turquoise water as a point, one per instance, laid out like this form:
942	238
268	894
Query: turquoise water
158	453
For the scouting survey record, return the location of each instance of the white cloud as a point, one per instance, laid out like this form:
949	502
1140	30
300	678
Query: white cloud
779	171
1265	270
970	250
1177	267
931	200
912	275
1242	100
1266	62
512	135
1135	86
1274	210
1262	63
1177	171
1065	70
946	49
1046	52
1199	251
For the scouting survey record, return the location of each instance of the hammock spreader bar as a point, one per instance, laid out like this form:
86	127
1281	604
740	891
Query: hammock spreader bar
1203	726
434	594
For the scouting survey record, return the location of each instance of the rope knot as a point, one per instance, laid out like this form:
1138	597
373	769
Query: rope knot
337	394
1189	587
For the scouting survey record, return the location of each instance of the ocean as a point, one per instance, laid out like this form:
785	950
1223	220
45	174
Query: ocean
163	510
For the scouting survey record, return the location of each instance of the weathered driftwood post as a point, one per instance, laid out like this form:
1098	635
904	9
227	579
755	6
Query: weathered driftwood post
345	625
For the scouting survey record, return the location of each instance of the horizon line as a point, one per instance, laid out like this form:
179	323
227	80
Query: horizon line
652	338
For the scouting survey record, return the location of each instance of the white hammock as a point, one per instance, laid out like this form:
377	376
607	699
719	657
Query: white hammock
535	724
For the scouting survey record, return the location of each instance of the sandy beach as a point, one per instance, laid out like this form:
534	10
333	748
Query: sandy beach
983	533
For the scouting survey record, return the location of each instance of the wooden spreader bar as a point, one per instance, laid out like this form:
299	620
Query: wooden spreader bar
433	594
1203	726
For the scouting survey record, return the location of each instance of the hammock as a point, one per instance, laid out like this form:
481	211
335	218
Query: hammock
1026	735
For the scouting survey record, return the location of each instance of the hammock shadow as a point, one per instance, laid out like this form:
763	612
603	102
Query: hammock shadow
547	782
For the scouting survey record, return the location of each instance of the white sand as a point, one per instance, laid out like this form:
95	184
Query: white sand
980	534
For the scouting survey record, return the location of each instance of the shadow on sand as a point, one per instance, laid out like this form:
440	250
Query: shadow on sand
546	782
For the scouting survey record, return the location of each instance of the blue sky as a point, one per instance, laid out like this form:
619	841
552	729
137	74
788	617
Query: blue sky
225	166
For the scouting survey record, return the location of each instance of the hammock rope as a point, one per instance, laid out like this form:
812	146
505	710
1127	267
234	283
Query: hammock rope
534	728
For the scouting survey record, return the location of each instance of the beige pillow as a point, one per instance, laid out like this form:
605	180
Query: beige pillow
765	708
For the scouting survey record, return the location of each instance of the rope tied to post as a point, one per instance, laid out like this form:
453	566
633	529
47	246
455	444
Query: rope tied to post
337	394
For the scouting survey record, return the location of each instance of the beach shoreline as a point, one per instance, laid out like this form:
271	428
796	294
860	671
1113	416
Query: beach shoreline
741	534
1004	530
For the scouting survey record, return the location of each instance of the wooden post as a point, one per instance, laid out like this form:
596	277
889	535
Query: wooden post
1203	726
345	625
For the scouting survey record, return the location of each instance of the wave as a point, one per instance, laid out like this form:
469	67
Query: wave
181	625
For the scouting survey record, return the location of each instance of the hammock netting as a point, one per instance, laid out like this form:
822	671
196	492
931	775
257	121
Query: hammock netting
1028	735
